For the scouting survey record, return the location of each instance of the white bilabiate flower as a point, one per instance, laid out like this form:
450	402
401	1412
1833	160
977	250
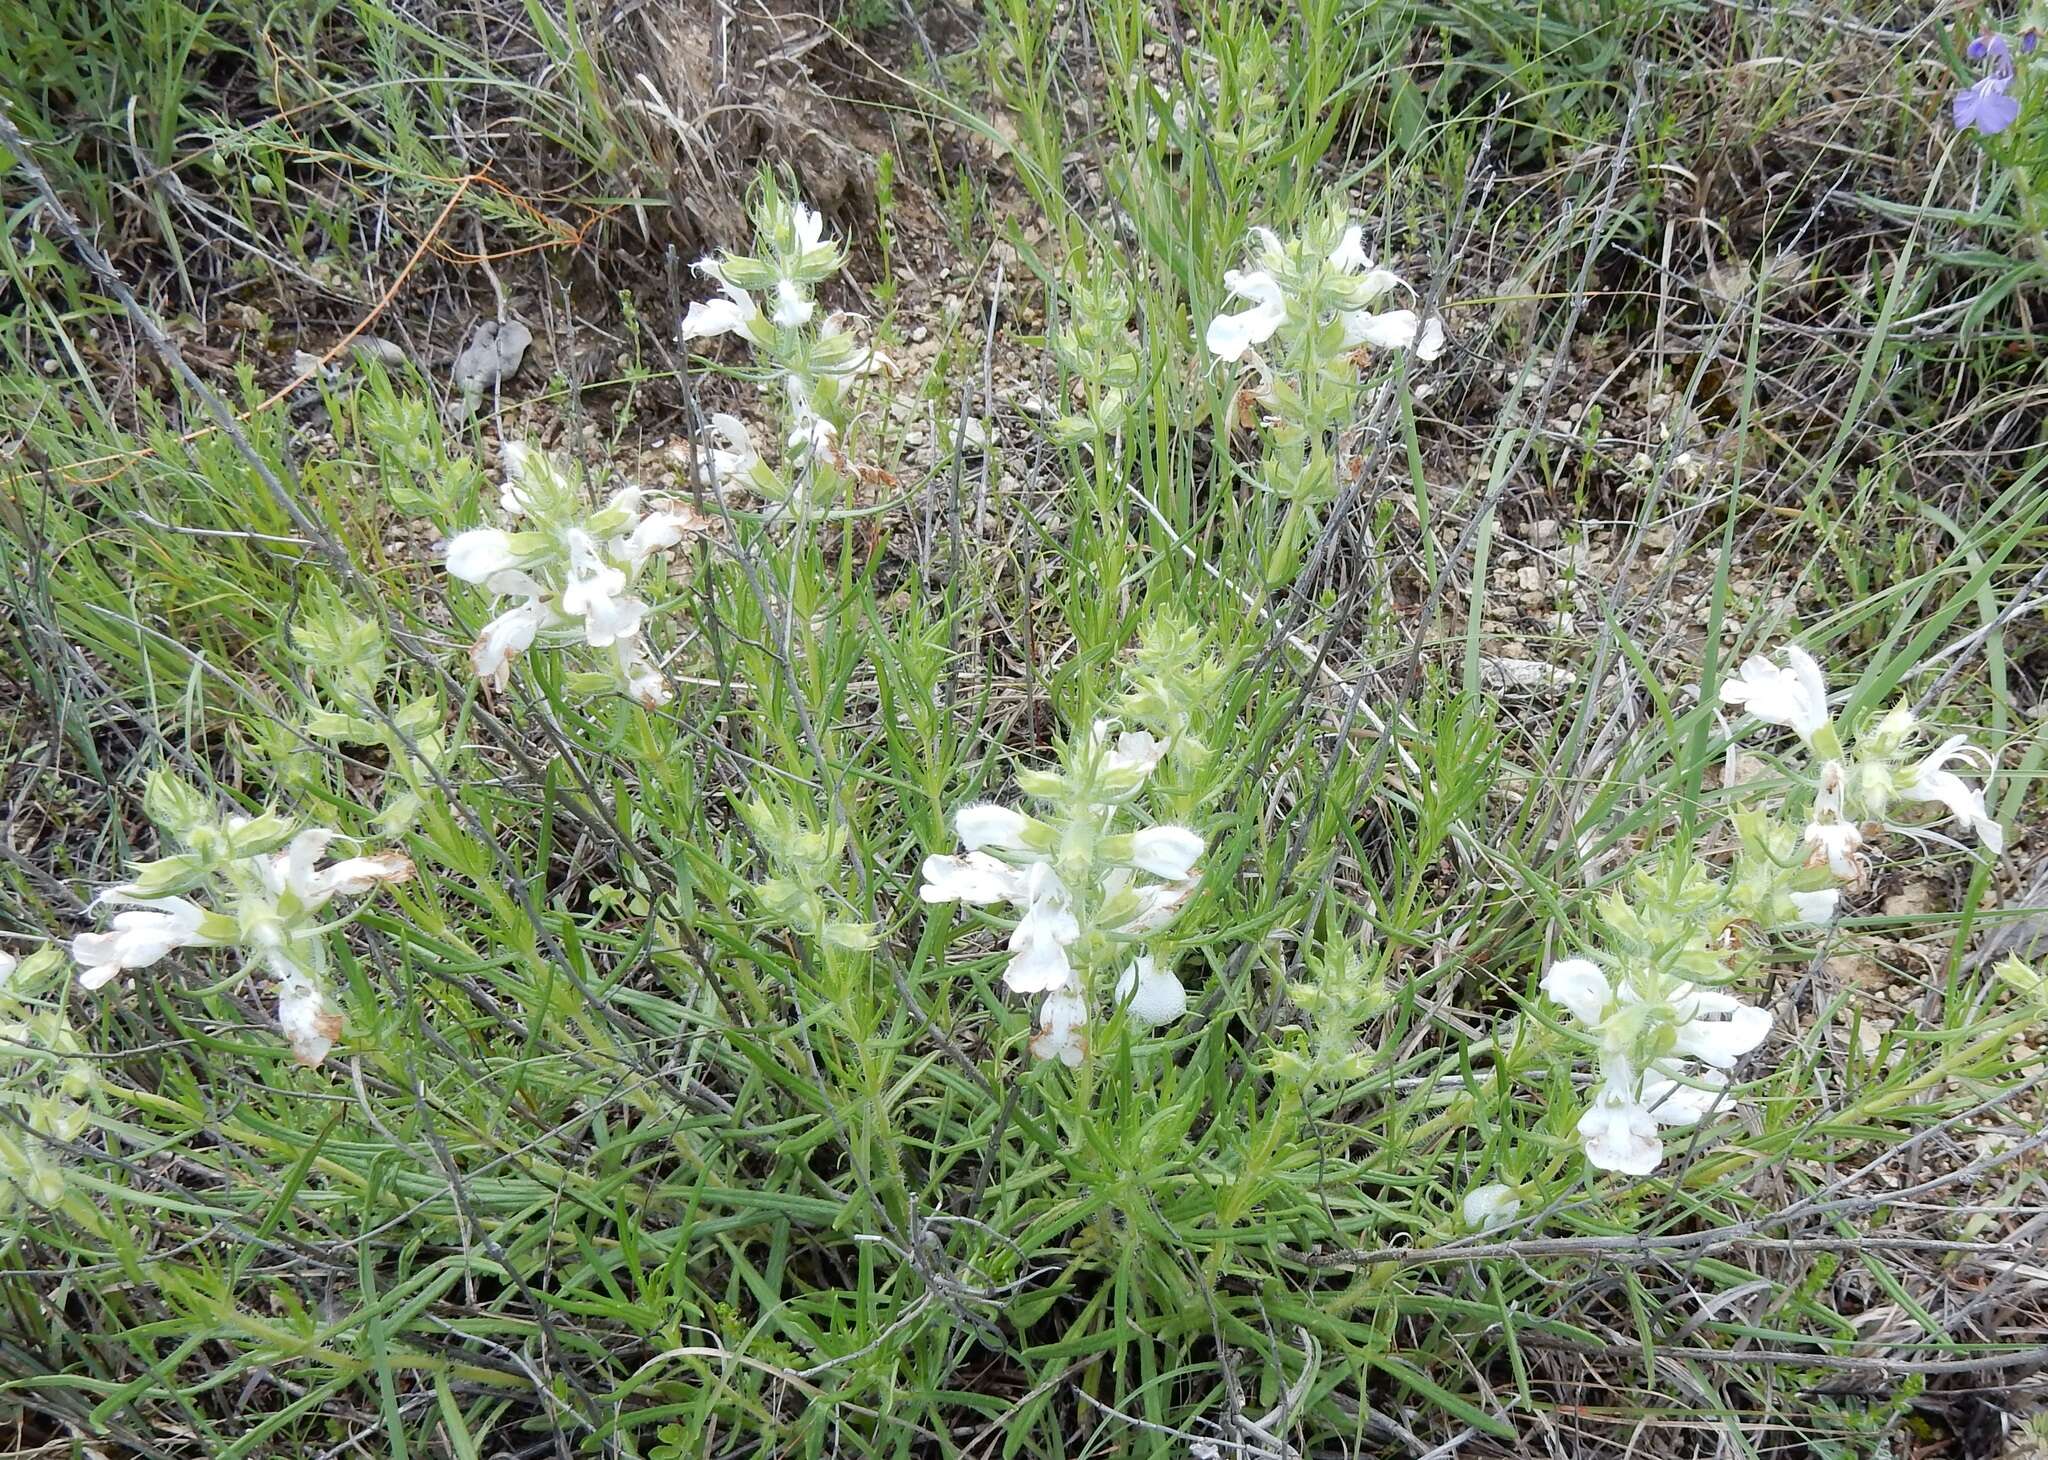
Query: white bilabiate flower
1349	255
814	436
1836	843
1829	838
1930	781
642	676
1038	947
1231	335
808	224
1715	1028
305	1020
975	878
139	937
1165	851
596	593
480	553
1817	907
735	457
986	824
515	493
296	870
709	318
504	639
1395	329
1143	909
1619	1131
1429	345
1579	985
1062	1025
1490	1206
791	307
1795	696
667	525
1151	995
1135	750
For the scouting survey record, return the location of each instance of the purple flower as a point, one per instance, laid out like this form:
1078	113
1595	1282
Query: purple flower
1987	106
1990	46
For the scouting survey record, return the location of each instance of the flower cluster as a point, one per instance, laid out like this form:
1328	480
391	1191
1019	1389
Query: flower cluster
1988	103
571	569
1654	1006
266	891
1317	292
1855	789
1312	321
1664	1047
1085	897
815	361
46	1083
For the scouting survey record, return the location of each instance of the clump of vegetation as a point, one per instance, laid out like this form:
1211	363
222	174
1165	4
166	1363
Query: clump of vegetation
1179	799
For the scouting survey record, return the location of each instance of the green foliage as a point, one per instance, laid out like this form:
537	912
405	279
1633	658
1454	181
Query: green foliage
667	1119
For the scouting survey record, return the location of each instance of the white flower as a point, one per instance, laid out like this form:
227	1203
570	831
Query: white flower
303	1016
1817	907
735	458
1716	1028
1930	781
514	583
1348	256
296	870
596	594
1835	843
1429	345
1490	1206
660	530
1678	1096
1135	750
1619	1131
1166	851
515	493
1062	1024
808	225
707	318
814	436
643	677
986	824
8	963
1151	996
1579	985
1230	335
476	555
504	638
974	878
139	937
1135	911
1795	696
1396	329
791	308
1618	1134
1038	948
